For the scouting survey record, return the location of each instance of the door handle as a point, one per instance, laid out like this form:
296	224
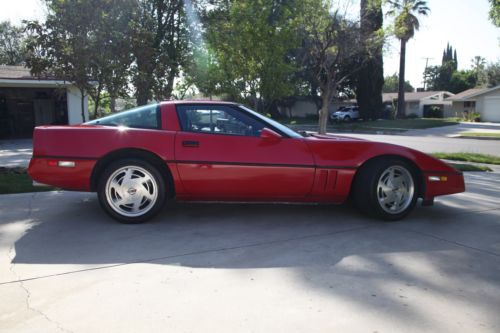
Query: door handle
190	144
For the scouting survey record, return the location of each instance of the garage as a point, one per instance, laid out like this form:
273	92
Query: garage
27	101
491	109
485	101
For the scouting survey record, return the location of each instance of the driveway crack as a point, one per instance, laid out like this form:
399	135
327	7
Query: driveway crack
199	252
442	239
11	255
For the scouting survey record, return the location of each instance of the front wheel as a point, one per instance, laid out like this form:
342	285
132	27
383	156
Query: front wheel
131	191
386	189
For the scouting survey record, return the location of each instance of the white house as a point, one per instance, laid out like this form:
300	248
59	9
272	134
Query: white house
27	101
421	103
484	101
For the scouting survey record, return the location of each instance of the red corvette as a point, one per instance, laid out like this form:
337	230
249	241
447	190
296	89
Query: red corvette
218	151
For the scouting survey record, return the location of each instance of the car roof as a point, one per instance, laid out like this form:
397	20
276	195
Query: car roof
199	102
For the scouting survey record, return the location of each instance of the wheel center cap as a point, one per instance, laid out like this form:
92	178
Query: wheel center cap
131	191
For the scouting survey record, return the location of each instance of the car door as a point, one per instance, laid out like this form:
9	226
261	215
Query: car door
220	154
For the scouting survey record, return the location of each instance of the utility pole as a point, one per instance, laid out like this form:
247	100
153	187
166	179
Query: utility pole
425	71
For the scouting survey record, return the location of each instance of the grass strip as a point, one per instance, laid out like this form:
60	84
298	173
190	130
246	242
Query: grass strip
396	124
469	167
480	135
16	180
469	157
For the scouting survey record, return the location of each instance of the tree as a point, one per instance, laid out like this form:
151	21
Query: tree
493	74
250	44
160	48
333	45
447	78
462	80
405	25
62	45
450	57
495	12
478	66
12	44
113	53
86	43
391	84
370	78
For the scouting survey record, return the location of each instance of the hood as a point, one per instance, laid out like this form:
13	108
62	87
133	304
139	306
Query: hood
349	152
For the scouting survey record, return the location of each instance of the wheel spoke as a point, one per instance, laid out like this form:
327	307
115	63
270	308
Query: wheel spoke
131	191
395	189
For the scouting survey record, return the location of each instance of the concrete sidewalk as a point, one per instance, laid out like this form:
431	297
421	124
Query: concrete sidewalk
66	267
454	130
15	153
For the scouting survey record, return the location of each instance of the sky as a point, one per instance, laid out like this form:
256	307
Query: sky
462	23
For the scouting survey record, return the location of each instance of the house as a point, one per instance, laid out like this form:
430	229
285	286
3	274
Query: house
27	101
485	101
303	107
431	104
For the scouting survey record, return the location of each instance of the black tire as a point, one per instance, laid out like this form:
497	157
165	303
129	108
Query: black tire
373	191
347	119
131	191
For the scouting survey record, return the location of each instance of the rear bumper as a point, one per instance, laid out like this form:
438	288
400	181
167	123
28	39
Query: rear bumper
50	171
442	183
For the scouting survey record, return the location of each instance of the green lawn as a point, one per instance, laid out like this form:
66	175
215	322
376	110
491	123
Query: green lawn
480	135
18	181
406	124
469	157
398	125
469	167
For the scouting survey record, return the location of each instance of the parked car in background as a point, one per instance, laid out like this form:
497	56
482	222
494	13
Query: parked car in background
345	113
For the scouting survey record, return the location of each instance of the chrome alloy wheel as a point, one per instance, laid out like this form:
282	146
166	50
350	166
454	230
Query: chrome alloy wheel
395	189
131	191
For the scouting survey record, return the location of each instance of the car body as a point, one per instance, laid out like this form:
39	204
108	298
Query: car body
345	113
220	151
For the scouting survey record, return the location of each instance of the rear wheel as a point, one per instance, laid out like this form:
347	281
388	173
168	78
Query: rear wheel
131	191
347	119
386	188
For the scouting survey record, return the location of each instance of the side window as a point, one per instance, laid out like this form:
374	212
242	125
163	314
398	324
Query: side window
147	116
217	119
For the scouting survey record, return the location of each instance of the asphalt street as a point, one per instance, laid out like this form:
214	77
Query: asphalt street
431	144
66	267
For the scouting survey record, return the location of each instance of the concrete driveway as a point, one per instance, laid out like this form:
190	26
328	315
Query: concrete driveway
66	267
15	153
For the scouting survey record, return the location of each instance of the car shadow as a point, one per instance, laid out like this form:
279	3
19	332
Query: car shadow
330	249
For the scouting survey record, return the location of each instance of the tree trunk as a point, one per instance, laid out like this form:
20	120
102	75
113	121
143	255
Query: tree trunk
82	103
401	87
112	104
142	95
96	107
323	114
371	72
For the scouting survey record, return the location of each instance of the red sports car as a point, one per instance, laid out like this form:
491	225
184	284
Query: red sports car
218	151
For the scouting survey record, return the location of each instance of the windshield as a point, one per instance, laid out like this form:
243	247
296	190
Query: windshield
284	129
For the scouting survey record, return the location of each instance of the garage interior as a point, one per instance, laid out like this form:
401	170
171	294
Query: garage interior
21	109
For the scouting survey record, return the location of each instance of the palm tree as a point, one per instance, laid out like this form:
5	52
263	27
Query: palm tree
405	25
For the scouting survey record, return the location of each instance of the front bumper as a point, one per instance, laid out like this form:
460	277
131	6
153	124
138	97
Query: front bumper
442	183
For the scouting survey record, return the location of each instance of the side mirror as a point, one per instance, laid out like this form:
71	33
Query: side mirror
269	135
